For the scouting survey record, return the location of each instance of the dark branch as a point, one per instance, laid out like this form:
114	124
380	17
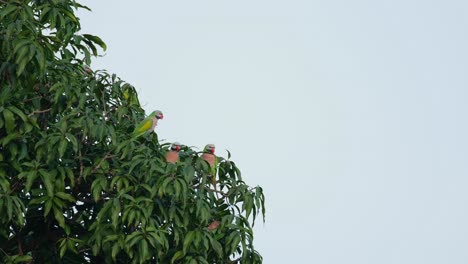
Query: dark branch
34	98
107	156
39	111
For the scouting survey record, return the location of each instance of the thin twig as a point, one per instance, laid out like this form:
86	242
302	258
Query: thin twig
39	111
20	247
81	167
107	156
18	240
34	98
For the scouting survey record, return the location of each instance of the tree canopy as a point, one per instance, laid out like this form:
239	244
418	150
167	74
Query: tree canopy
75	186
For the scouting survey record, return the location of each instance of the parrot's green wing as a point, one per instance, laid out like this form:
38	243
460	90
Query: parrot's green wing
126	95
215	167
144	125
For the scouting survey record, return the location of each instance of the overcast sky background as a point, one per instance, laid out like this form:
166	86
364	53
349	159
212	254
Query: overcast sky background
351	114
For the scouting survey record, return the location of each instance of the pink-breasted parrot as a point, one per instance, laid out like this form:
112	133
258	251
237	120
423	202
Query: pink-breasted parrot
87	69
148	124
210	157
172	156
214	225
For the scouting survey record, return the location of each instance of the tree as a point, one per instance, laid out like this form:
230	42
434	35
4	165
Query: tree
75	187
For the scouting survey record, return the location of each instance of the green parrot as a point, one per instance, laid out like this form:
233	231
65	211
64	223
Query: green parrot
210	157
148	124
129	94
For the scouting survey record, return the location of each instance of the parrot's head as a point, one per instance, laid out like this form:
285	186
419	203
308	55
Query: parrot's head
158	114
176	146
210	148
87	69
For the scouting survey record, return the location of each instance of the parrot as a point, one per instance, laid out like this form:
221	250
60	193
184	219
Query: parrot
173	155
129	94
213	225
148	124
210	157
87	69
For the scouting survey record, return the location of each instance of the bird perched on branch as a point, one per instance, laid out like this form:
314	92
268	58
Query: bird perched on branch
210	157
214	225
173	155
130	95
148	124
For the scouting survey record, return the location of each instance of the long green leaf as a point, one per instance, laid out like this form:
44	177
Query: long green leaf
47	180
188	239
9	120
96	40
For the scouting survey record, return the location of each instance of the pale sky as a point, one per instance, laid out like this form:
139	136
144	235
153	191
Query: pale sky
351	114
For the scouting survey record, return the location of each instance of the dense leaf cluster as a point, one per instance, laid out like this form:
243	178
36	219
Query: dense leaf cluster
75	187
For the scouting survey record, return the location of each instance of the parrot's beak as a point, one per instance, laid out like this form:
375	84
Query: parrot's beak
212	151
162	117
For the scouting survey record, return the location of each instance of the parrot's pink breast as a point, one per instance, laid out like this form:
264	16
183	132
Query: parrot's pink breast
172	157
210	158
213	225
155	123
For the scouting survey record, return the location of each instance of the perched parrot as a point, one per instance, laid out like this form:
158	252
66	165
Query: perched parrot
210	157
126	95
213	225
87	69
129	94
148	124
173	155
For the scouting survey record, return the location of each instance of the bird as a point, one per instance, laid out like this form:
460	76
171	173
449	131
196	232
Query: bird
129	94
213	225
209	156
87	69
173	155
148	124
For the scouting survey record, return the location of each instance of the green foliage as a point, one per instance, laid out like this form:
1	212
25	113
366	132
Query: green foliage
75	187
